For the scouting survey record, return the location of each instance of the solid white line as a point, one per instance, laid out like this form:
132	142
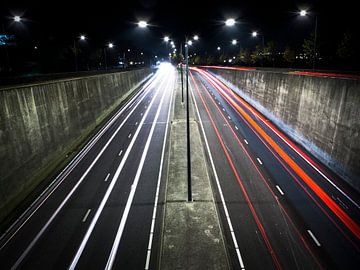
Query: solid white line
86	215
236	128
314	238
108	191
279	189
120	152
258	159
44	228
124	217
148	255
218	186
73	163
107	177
246	141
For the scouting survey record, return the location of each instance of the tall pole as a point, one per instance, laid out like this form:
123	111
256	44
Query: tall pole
188	121
75	55
106	67
182	75
8	65
315	40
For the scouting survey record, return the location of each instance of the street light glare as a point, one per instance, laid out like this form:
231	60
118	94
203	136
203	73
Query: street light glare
303	13
82	37
166	39
17	18
254	34
230	22
218	48
196	37
190	42
142	24
111	45
234	42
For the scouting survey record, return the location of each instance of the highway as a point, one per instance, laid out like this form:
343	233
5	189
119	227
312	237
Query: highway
101	211
280	209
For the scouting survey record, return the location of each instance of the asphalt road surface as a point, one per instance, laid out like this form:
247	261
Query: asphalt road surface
280	209
99	211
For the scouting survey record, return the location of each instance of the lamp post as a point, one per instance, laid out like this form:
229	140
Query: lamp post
304	13
81	38
16	19
110	46
188	43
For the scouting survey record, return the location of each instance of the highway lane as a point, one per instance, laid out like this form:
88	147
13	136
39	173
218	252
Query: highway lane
114	184
275	214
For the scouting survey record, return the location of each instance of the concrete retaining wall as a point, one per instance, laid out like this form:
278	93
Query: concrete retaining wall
320	113
41	123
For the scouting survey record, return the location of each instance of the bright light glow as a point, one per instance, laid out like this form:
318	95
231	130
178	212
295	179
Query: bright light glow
82	37
254	34
173	46
218	48
166	39
35	47
230	22
17	18
128	50
190	42
230	60
172	42
169	54
142	24
303	13
234	42
155	56
142	53
196	37
110	45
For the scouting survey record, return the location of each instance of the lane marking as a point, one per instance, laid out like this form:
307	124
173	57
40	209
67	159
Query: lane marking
124	217
236	128
44	228
228	219
120	153
314	238
258	159
110	188
223	109
73	163
129	136
151	236
86	215
279	189
107	177
229	117
136	123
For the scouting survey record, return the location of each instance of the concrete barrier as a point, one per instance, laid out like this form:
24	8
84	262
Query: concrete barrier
41	123
320	113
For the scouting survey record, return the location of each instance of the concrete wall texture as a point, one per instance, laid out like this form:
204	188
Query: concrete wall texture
41	123
320	113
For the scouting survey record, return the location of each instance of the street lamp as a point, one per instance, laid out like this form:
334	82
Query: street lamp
218	48
17	18
304	13
188	43
166	39
230	22
142	24
254	34
234	42
76	40
110	45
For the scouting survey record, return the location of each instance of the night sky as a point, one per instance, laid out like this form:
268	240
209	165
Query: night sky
104	21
